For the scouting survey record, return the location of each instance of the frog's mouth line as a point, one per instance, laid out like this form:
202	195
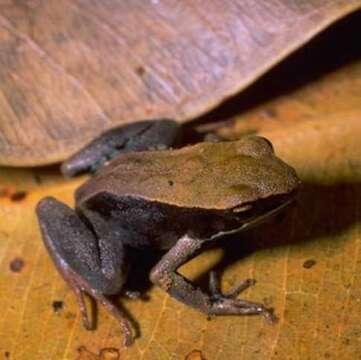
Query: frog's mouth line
254	222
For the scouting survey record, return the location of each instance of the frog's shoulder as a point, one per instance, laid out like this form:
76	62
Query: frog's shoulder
207	175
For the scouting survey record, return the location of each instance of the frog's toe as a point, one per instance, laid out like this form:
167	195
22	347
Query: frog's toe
239	288
225	303
214	287
227	306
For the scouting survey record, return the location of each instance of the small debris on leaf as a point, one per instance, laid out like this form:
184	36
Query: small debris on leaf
57	305
17	264
104	354
140	70
18	196
109	354
309	263
195	355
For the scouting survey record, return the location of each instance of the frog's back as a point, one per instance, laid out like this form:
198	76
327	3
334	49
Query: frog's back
207	175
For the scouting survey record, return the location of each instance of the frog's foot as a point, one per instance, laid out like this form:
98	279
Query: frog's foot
165	275
80	287
139	136
225	303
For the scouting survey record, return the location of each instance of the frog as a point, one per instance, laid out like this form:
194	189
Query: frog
145	191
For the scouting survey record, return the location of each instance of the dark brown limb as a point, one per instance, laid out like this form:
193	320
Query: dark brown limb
80	287
165	275
75	252
139	136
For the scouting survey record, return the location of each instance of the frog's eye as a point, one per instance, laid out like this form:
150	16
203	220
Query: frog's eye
255	146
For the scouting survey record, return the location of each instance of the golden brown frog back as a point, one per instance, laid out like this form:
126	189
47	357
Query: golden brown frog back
207	175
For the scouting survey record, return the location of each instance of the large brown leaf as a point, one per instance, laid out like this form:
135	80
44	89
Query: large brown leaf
307	262
70	69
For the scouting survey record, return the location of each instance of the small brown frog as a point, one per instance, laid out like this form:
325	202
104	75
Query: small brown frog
144	194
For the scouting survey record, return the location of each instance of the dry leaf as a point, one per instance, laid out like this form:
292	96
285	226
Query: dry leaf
318	305
307	262
70	69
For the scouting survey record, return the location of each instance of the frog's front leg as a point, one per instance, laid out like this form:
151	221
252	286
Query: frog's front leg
139	136
89	264
165	275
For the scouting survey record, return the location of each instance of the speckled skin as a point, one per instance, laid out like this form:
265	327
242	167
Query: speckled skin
215	176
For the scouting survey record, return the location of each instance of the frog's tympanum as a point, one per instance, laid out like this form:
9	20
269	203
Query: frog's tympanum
145	194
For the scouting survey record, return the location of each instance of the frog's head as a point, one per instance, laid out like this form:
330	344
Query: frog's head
264	184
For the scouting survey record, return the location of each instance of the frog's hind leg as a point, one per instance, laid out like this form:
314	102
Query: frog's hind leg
139	136
165	275
75	251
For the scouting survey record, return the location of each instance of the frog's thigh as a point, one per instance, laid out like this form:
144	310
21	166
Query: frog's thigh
78	255
139	136
74	247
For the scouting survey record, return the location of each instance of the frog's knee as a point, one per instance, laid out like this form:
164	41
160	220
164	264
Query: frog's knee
46	205
155	275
